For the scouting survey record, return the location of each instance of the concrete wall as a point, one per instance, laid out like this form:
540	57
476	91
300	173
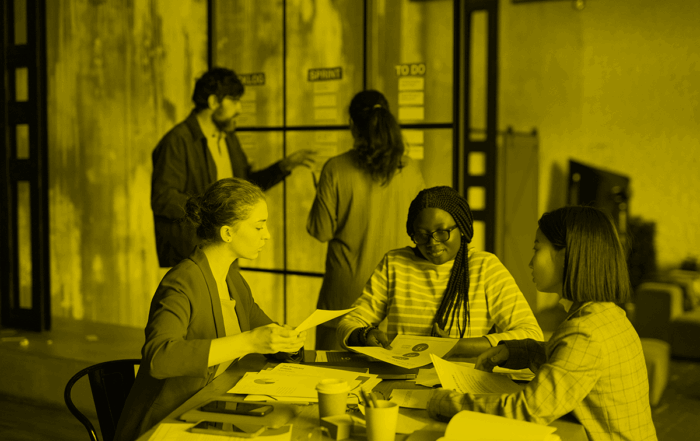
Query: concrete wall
120	74
614	85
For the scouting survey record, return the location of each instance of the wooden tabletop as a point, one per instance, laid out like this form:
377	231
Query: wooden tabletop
306	419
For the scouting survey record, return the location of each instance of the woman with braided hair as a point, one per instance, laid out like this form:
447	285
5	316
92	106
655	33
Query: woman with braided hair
442	287
360	202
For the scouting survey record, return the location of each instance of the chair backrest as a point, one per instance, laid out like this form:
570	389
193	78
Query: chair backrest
110	383
656	306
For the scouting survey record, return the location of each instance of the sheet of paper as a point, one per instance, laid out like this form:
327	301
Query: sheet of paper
180	432
469	380
410	351
176	432
478	426
411	398
269	399
352	399
321	372
320	316
405	425
363	380
279	385
429	378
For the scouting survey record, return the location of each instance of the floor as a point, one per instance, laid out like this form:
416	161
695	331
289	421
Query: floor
21	421
677	417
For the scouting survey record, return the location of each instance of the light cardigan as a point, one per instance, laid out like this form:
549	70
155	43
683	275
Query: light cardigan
407	289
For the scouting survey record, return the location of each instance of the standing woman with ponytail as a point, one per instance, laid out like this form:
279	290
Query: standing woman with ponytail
203	316
360	204
442	287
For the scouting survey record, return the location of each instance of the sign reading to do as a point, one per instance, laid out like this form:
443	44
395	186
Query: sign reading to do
415	69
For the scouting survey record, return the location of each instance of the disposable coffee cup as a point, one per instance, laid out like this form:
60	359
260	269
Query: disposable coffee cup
332	397
381	421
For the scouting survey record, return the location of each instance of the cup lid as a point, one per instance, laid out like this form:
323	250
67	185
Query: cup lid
332	385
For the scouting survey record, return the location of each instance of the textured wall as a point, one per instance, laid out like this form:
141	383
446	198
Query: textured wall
120	75
615	86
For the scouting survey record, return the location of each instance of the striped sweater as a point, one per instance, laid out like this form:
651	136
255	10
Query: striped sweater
407	289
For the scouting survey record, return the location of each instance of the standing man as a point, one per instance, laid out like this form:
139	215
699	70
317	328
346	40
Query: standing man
199	151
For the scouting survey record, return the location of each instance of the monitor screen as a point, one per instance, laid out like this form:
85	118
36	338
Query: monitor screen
602	189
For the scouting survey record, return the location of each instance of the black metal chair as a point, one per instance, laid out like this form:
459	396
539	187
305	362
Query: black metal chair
110	383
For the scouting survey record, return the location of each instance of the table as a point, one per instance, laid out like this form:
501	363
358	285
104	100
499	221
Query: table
307	416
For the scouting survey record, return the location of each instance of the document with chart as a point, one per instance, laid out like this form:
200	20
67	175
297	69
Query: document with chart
409	351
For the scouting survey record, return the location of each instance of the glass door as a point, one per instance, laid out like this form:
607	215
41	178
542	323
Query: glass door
302	61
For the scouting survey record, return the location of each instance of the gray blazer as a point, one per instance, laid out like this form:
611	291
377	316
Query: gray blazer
184	317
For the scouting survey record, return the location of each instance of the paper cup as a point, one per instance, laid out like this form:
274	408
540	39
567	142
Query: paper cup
332	397
381	421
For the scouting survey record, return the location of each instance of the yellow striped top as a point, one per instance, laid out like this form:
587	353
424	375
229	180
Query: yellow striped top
407	289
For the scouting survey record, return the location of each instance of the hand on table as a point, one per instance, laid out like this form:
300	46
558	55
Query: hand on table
491	358
274	338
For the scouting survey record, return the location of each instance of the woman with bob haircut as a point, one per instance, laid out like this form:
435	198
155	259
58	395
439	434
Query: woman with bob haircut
593	365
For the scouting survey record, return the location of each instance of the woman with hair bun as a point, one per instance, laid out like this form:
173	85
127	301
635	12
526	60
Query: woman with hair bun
203	316
361	200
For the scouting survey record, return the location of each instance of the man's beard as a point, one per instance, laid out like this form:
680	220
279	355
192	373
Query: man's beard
224	125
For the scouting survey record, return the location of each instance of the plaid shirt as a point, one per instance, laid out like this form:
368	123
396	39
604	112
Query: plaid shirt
593	366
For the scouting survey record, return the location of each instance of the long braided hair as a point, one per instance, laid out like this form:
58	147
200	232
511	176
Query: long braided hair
456	296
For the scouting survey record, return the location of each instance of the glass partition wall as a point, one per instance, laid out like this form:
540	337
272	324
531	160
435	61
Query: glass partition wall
302	61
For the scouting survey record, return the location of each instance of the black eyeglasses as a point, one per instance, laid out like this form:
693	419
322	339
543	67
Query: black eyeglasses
438	235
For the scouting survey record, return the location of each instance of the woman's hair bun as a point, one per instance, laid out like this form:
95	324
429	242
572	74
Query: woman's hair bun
193	210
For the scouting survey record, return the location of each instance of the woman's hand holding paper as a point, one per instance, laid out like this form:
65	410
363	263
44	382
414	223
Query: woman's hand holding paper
274	338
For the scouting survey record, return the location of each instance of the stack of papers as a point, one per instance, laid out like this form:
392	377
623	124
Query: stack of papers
297	383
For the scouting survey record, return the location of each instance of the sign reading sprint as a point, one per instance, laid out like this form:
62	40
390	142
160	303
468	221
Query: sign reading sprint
326	73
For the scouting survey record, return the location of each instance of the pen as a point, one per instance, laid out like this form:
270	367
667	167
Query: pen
374	400
368	403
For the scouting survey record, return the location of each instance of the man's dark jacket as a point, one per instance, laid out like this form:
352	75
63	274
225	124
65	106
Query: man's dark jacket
183	167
